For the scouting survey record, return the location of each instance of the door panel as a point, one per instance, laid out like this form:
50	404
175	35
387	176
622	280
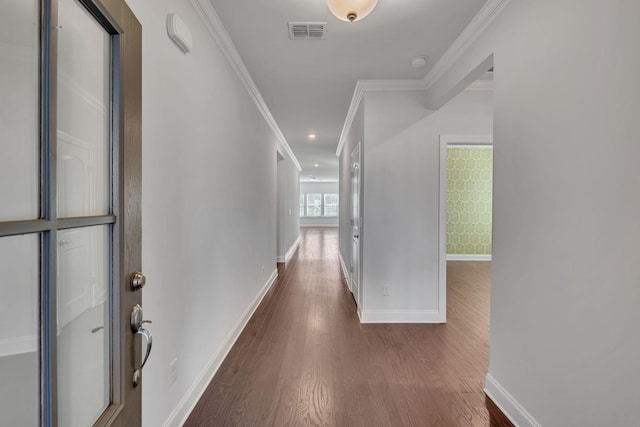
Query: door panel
69	212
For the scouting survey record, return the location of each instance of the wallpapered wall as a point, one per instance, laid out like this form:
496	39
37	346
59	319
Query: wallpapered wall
469	198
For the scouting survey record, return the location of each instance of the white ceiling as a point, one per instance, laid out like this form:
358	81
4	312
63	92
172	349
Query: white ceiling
308	84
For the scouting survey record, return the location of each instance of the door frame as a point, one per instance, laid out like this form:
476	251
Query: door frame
126	399
445	142
127	183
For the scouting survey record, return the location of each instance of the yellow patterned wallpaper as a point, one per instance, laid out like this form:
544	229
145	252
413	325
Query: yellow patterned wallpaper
469	198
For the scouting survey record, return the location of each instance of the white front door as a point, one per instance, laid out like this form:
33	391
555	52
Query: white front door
356	222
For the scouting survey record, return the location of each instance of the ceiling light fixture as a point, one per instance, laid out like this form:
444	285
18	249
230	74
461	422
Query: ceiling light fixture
351	10
315	165
312	136
418	61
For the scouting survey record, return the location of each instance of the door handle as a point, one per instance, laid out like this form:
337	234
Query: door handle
136	327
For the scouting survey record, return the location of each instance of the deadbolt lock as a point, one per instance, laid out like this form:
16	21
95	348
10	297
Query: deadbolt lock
137	281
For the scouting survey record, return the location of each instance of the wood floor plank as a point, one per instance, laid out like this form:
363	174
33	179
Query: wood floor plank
304	359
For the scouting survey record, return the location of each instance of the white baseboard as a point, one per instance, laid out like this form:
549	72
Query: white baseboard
18	345
470	257
508	405
400	316
345	271
320	225
290	252
180	414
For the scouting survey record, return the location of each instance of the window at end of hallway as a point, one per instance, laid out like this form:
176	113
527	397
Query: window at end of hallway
330	205
318	205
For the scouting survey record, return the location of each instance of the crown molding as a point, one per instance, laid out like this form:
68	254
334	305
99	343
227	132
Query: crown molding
216	29
358	94
391	84
480	85
370	85
469	35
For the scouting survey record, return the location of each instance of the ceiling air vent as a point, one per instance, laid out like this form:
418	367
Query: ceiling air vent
307	30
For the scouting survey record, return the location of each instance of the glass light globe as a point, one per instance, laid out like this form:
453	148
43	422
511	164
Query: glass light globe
351	10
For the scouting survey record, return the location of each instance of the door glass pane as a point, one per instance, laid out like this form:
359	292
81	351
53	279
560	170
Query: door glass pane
83	324
19	161
83	113
19	313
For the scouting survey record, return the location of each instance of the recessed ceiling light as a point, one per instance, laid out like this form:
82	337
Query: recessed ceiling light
418	61
312	136
315	165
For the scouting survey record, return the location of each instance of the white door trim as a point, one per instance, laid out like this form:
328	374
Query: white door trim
445	141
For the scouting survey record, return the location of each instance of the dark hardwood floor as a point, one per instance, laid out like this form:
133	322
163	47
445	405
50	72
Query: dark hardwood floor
304	359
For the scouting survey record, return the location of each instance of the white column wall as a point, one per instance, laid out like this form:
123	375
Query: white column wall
566	287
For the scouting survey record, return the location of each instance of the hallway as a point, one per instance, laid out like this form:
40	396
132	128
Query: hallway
305	359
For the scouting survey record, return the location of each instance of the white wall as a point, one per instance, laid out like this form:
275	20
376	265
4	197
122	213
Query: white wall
209	207
401	190
565	283
319	187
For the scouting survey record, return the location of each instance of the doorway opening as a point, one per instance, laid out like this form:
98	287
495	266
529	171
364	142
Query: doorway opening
466	188
466	202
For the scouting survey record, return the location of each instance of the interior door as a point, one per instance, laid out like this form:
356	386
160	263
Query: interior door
356	223
70	75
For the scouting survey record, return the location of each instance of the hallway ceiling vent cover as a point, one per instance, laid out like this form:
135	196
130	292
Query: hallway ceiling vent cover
307	30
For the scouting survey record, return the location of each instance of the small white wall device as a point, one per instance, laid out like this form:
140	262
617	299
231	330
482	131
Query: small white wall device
179	32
